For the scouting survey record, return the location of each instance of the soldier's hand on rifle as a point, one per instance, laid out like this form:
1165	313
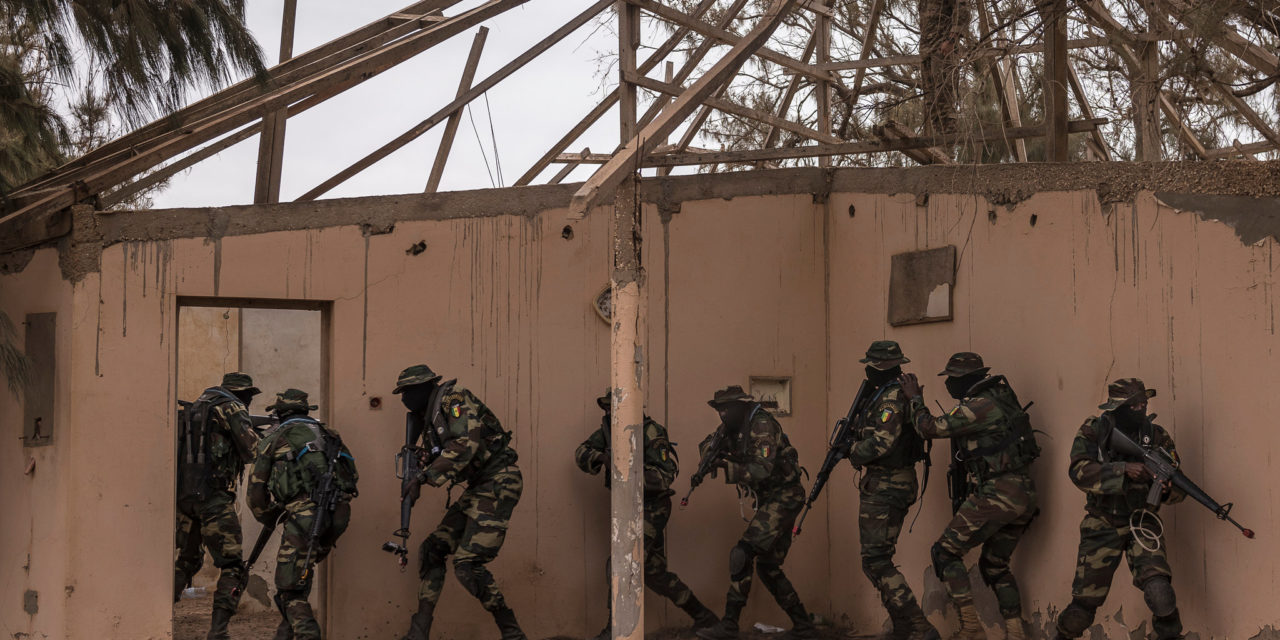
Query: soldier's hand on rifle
910	386
1136	471
410	488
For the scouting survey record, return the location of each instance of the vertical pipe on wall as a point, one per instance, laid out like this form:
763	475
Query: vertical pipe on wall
627	429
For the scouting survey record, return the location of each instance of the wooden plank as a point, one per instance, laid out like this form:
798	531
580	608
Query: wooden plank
628	43
789	95
1006	81
1247	149
1077	88
852	148
739	110
475	92
1188	136
582	157
823	87
868	40
29	231
615	171
266	188
1260	58
600	109
1246	111
985	52
451	127
677	17
316	61
338	79
1054	18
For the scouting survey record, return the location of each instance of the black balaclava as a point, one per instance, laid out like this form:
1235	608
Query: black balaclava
416	397
734	414
244	396
291	413
880	378
959	386
1130	418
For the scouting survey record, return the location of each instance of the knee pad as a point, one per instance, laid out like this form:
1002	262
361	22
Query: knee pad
1077	618
469	576
941	558
1158	593
433	554
740	562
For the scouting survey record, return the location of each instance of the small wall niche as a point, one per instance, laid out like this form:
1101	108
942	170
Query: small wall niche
774	392
41	349
920	286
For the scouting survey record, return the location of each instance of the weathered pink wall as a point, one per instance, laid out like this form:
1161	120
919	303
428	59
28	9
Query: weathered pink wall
761	285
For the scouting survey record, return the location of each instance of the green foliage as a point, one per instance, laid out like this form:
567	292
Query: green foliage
133	60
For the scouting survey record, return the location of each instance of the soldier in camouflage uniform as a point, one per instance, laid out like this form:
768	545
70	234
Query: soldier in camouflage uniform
993	447
219	444
758	457
888	448
660	469
292	460
1116	490
476	451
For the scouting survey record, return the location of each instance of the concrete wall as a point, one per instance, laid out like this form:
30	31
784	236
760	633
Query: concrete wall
774	284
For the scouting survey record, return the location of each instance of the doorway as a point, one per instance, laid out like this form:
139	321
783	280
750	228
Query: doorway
281	344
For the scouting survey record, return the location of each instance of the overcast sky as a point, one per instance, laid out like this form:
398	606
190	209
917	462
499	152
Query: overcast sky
530	110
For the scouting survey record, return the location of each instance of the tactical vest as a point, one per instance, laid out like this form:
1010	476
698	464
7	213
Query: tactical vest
1119	506
907	449
662	457
786	466
204	457
1011	447
299	475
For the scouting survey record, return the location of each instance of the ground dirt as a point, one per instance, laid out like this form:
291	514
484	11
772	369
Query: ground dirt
191	621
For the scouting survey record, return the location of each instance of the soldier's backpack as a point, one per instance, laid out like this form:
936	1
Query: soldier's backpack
1018	448
300	474
195	464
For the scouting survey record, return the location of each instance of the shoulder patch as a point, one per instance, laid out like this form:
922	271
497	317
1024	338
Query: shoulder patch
886	414
456	408
765	450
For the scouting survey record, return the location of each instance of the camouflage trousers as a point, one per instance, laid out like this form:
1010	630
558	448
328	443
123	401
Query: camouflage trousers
215	526
764	547
472	531
1101	545
885	496
657	512
294	575
995	516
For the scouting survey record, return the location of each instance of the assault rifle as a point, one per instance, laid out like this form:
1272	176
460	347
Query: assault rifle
1165	470
958	485
325	496
264	536
410	462
837	450
714	452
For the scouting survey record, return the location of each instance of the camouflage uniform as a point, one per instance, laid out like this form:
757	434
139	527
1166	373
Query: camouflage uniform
887	448
476	452
994	445
761	461
211	520
286	474
1105	534
660	469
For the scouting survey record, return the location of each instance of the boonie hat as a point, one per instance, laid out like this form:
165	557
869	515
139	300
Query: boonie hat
963	364
237	381
1123	390
291	400
729	394
884	355
417	374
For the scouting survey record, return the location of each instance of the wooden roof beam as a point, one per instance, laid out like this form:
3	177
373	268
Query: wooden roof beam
609	176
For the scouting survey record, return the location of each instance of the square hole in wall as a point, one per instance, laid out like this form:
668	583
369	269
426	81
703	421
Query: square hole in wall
773	392
920	285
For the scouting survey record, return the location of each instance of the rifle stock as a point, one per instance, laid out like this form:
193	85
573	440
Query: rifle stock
1164	470
264	536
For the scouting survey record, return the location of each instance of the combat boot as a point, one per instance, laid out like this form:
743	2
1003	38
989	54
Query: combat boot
970	627
802	628
506	619
284	631
1014	629
703	618
218	625
726	629
420	623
